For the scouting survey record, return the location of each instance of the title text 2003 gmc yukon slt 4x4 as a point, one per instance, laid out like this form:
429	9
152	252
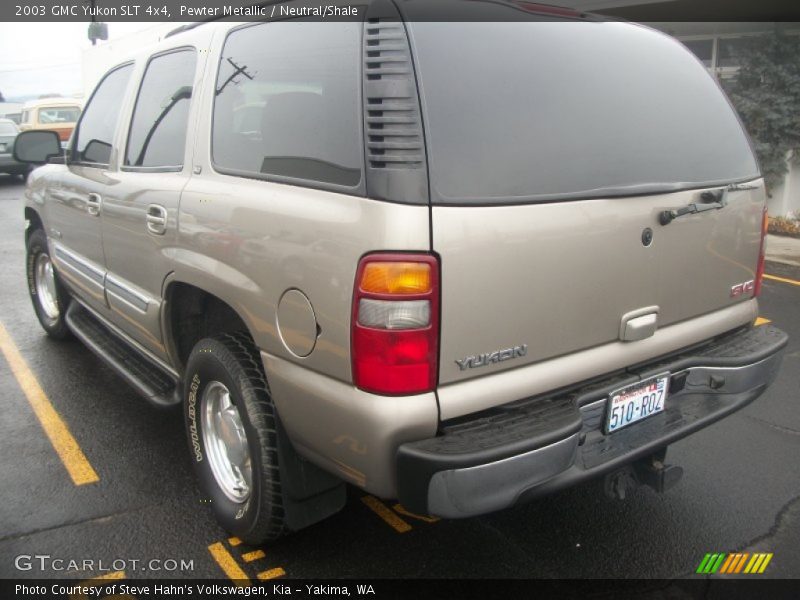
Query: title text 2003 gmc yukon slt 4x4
461	264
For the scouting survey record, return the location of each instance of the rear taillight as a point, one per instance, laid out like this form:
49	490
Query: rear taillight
395	325
762	253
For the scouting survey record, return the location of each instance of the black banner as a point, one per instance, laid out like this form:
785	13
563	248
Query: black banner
393	588
447	10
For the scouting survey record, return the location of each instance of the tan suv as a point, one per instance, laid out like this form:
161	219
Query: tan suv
52	114
459	264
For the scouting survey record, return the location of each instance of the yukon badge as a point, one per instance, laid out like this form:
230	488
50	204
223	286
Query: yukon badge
481	360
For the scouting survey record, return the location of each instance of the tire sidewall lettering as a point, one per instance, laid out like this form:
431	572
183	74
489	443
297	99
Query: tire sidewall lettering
194	433
31	275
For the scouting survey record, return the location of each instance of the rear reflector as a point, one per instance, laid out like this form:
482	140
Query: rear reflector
395	324
762	254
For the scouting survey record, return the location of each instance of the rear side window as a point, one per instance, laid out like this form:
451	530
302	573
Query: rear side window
524	112
95	135
157	136
288	103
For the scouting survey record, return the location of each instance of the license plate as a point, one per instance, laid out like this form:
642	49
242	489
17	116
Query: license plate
636	402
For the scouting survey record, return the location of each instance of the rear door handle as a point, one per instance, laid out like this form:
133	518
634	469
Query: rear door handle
93	204
156	219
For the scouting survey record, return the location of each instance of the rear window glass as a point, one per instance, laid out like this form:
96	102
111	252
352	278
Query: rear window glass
59	114
288	103
520	112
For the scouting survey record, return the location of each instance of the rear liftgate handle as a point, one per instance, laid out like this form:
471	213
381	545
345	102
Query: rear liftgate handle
638	324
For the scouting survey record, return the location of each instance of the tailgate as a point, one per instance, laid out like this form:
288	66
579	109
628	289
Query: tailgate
553	147
546	280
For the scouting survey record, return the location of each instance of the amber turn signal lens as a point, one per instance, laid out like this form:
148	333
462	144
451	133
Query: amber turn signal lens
396	278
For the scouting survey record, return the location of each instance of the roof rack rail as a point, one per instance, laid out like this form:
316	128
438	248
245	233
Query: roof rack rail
184	28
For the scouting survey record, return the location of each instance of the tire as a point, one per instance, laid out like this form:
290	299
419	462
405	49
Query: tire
50	298
23	174
251	510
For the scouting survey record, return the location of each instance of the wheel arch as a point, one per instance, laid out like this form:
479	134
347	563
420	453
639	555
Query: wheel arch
192	313
33	222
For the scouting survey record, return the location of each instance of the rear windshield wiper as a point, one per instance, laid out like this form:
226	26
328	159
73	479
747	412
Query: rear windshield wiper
709	200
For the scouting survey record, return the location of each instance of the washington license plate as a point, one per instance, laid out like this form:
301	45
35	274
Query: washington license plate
636	402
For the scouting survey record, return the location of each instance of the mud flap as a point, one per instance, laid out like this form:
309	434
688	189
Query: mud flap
309	493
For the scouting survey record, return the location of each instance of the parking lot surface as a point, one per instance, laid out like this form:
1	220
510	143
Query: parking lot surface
130	504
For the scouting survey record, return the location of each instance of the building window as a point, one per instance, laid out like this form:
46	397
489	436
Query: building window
728	51
703	49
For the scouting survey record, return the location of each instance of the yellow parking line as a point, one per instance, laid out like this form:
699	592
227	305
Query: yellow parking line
234	541
271	574
68	450
762	321
400	509
781	279
254	555
380	509
228	564
106	577
98	581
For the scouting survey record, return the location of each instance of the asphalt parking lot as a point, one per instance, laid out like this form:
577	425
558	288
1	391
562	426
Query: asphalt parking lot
740	490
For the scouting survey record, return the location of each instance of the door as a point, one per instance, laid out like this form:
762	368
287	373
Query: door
74	211
140	209
549	183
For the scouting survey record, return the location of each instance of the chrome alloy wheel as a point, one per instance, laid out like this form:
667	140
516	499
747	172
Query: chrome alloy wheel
226	443
45	281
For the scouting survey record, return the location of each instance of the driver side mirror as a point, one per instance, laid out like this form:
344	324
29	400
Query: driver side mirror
37	147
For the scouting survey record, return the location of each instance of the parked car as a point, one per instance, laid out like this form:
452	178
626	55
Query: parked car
8	133
53	114
525	255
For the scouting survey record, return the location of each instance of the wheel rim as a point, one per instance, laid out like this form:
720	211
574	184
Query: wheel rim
45	278
226	443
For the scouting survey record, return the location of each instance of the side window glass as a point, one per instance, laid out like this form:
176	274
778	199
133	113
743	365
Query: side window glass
95	134
157	136
288	103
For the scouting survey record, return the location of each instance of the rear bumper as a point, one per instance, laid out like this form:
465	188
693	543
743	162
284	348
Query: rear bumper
537	446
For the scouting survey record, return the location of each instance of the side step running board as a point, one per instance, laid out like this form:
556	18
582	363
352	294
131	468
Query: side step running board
150	380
